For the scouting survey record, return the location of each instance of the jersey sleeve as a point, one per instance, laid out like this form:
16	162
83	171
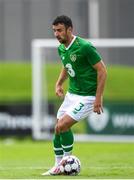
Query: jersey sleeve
92	55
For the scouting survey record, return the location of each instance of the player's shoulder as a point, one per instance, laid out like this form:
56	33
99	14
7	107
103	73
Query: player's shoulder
84	43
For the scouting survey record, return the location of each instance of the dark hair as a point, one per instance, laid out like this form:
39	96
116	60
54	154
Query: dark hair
63	20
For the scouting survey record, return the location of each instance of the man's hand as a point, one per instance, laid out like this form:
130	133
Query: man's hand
58	88
98	108
59	91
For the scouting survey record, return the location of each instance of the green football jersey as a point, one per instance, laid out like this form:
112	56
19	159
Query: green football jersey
78	59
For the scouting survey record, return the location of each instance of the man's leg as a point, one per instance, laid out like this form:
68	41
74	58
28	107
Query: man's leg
66	136
57	149
63	139
63	142
67	141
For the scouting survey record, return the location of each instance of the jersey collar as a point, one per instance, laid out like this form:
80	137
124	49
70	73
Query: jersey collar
74	37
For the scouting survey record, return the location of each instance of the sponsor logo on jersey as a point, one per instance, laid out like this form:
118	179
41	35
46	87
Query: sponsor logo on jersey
73	57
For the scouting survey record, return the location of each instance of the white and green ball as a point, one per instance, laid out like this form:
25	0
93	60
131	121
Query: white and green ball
70	165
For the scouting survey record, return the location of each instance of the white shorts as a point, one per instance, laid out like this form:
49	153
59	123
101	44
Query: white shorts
76	106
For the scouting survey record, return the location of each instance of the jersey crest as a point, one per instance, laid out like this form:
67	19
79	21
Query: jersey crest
73	57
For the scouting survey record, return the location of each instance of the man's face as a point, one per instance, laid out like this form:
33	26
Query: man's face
61	33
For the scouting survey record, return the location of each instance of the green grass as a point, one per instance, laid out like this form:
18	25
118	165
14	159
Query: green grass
28	159
120	83
16	82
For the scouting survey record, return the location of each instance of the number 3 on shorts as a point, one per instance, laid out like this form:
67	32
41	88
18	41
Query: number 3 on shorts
70	70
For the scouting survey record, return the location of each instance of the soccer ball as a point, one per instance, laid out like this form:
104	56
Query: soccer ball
70	165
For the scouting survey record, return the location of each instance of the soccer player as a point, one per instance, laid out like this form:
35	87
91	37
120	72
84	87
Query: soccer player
86	71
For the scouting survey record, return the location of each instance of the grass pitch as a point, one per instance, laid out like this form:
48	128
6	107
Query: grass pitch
16	82
28	159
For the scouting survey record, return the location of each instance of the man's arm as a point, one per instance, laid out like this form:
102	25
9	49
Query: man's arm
62	77
101	78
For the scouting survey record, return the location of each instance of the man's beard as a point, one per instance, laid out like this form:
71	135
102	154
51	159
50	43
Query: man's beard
62	41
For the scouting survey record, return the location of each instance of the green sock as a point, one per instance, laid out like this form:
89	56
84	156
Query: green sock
67	140
57	145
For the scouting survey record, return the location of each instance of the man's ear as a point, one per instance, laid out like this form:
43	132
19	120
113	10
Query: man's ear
70	29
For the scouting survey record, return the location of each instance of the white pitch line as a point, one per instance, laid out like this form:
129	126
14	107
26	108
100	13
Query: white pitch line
87	167
114	167
19	168
66	179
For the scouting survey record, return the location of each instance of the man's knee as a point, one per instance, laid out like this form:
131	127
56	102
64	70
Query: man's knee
57	129
61	126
